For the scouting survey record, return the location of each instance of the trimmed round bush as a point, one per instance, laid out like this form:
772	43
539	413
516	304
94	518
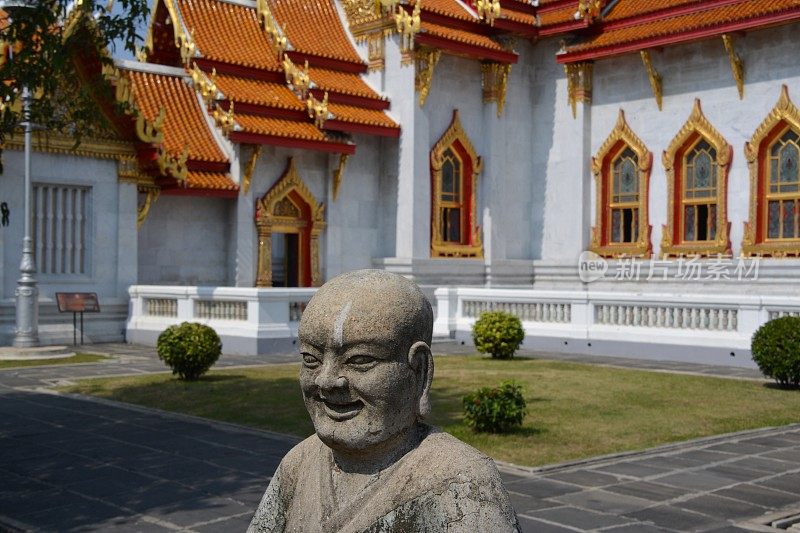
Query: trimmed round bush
498	333
190	349
776	350
495	409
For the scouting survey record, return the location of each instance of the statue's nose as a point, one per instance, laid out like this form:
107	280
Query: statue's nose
329	378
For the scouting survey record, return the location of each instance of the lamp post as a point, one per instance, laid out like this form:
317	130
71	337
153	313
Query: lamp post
26	334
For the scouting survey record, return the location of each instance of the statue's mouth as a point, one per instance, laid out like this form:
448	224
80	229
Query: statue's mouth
341	411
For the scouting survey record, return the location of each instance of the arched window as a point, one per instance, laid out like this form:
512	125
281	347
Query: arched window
773	155
622	170
783	191
454	178
697	163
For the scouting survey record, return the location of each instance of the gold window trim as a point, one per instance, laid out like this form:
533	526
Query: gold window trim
697	128
272	217
455	134
622	136
783	116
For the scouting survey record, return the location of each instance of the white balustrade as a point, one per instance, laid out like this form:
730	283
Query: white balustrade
683	324
248	320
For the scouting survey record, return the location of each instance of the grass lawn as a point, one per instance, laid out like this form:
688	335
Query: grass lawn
575	410
77	358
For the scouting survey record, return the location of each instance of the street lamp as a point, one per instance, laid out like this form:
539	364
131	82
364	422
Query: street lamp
26	334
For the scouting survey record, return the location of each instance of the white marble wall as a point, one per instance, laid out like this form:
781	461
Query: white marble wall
186	240
112	263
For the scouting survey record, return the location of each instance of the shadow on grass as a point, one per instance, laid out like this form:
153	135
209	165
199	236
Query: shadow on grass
778	386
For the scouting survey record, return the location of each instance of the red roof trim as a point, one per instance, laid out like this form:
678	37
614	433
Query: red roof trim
520	28
563	27
351	127
264	111
299	58
274	76
286	142
350	99
179	190
677	38
466	49
672	11
208	166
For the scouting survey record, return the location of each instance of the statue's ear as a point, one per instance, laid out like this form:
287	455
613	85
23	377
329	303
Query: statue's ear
420	359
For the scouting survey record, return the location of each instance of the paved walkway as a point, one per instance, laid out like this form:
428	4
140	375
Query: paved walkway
70	463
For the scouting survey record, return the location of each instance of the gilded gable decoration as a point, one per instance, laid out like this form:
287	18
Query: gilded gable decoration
318	110
579	84
151	196
656	82
250	168
737	64
339	174
495	84
622	169
427	58
290	207
771	192
488	10
455	167
697	163
276	37
590	10
184	39
408	25
205	85
296	78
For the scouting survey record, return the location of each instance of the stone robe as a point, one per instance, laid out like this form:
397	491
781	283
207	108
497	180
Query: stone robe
441	485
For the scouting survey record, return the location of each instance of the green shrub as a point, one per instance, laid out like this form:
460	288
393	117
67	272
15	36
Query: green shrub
498	333
495	409
776	350
190	349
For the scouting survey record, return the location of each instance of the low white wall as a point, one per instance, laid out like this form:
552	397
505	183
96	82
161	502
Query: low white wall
249	321
710	329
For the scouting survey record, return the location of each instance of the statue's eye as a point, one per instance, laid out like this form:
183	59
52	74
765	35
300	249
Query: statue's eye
361	360
310	361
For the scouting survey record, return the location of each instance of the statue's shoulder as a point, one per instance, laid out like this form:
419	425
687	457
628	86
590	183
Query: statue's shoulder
307	450
452	458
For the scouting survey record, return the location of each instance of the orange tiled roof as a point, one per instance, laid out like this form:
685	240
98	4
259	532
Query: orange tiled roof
558	16
258	92
210	180
623	9
314	27
461	36
507	11
709	18
341	82
358	115
448	8
184	122
229	33
277	127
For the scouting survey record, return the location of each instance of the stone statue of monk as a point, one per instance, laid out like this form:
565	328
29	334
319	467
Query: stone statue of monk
373	464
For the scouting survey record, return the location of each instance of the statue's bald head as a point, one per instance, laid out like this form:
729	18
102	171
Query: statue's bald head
366	305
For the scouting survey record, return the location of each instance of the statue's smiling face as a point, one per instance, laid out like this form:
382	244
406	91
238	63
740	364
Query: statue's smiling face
357	384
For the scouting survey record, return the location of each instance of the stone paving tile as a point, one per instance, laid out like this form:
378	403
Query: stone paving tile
633	469
669	462
759	495
791	455
740	447
761	464
652	491
637	528
699	481
585	478
704	456
722	507
531	525
675	519
787	483
579	518
604	502
542	488
524	503
737	472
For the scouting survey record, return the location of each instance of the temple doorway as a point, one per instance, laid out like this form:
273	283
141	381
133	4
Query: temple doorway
289	222
286	260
